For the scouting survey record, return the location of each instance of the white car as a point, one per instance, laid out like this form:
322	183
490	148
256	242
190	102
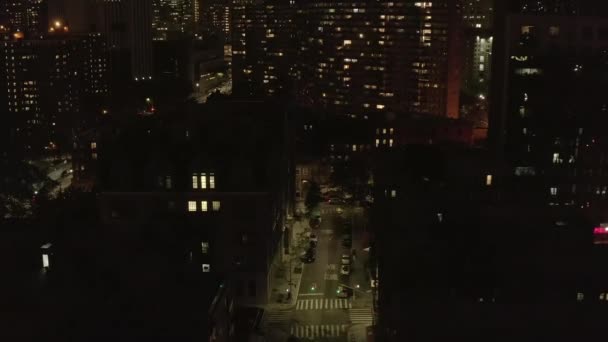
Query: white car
345	270
345	259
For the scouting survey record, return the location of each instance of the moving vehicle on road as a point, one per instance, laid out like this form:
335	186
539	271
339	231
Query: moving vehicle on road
344	292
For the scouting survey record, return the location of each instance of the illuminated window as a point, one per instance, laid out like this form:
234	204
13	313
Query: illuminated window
215	205
556	158
580	296
93	145
206	268
168	182
204	206
553	191
393	193
194	182
45	261
212	181
488	180
203	181
390	142
191	206
377	142
205	247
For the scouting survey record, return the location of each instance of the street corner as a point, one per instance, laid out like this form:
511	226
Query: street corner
360	333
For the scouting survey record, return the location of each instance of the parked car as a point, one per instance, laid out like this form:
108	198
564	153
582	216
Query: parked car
308	256
347	241
313	239
345	259
344	292
345	270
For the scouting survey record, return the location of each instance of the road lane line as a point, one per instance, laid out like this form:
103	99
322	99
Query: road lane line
311	294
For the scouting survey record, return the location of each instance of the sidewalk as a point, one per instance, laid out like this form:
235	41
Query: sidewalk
281	281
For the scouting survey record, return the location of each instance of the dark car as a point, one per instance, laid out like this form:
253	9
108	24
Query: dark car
347	241
313	239
308	256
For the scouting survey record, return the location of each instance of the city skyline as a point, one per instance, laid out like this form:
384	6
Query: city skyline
303	170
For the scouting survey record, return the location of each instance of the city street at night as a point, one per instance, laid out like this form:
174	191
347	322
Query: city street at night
320	313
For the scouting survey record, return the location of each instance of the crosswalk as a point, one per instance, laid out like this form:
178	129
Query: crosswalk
317	331
361	316
323	304
277	317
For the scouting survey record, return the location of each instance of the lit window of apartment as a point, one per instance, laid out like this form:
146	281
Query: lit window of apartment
215	206
553	191
93	145
191	206
168	182
390	142
194	181
205	247
580	296
393	193
206	268
556	159
488	180
203	180
212	181
204	206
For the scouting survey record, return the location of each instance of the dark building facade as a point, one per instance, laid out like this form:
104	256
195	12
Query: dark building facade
550	106
229	212
478	259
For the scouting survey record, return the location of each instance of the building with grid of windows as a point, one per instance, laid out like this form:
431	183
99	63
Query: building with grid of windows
28	16
172	17
51	84
351	58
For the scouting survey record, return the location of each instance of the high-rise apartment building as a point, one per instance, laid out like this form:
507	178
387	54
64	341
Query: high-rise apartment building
353	58
478	16
262	53
549	106
172	17
24	15
50	83
127	28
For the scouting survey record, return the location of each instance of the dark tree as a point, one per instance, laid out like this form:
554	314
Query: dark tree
313	197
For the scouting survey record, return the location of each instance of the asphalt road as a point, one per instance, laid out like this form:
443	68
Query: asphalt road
319	315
